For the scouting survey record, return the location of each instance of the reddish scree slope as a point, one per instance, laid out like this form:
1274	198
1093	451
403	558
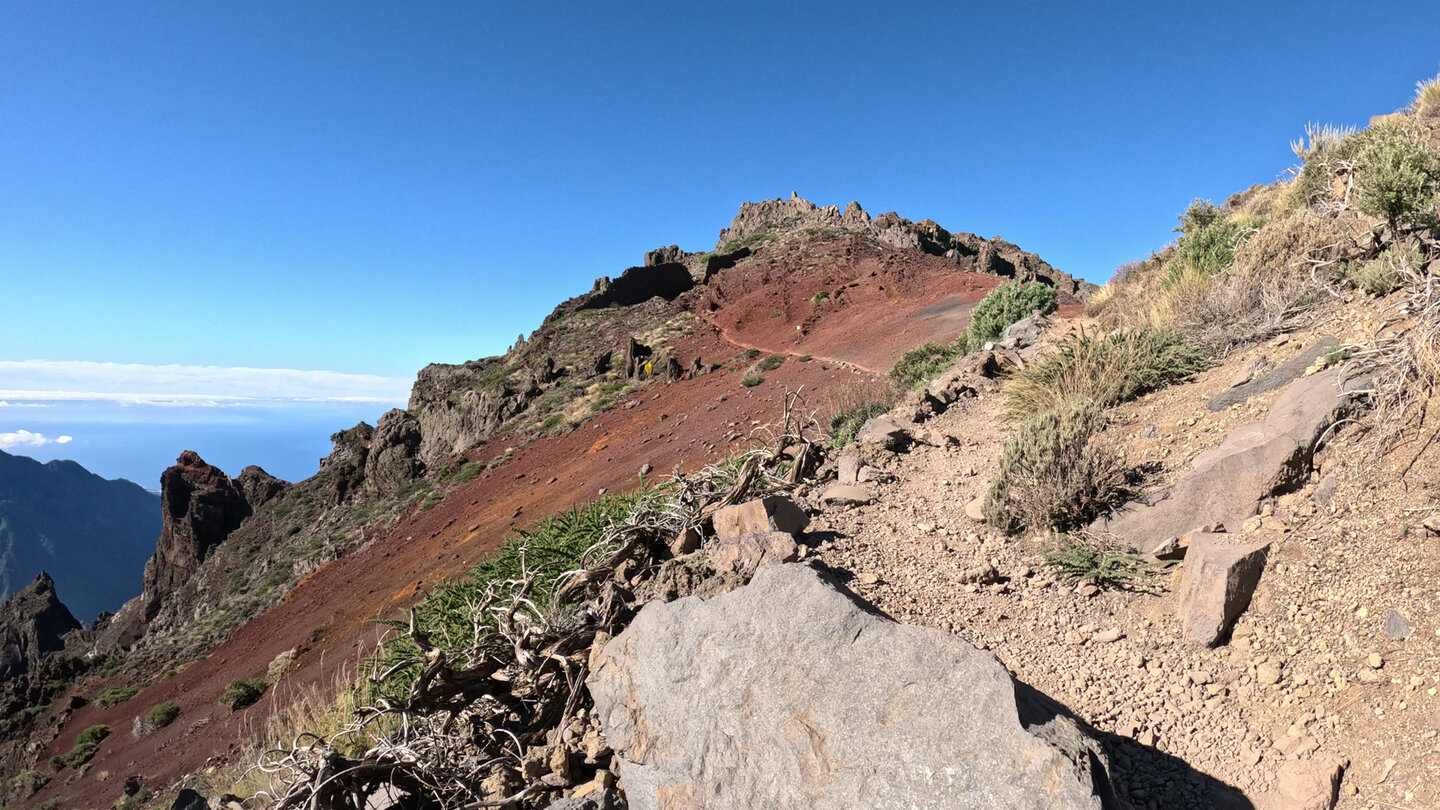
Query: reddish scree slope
885	307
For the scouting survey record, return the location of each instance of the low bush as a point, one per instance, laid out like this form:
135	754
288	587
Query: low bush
243	692
1051	477
85	747
771	363
1083	560
924	363
823	295
468	472
1383	274
162	715
27	783
1398	175
846	423
1007	304
1102	370
752	381
113	695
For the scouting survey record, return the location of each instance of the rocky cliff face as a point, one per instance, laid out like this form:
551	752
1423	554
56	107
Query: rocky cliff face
202	506
33	625
759	220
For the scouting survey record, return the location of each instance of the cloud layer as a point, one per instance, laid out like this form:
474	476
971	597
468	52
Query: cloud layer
24	438
41	381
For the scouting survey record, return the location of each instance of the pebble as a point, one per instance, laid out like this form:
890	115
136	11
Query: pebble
1267	673
1108	636
1375	661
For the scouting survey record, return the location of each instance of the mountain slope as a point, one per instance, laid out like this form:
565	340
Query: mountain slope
92	535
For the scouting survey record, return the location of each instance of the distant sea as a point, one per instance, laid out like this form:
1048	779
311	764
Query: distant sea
137	443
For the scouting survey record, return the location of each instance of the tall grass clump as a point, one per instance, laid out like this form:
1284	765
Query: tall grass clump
924	363
1006	304
1104	371
1427	98
1051	475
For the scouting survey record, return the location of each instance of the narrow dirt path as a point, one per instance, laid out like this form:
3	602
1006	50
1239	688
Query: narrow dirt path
730	338
1185	727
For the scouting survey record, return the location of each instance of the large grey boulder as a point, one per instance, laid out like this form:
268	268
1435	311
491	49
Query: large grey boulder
1227	483
790	693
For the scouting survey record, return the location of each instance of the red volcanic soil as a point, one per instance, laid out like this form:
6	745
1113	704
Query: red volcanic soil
882	303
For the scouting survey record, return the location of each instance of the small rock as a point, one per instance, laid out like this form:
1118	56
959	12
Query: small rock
1397	627
975	509
1310	784
1217	581
1108	636
1267	673
1375	661
868	579
847	495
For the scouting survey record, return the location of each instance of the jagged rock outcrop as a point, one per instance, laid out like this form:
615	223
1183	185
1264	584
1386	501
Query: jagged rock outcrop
394	457
970	252
33	625
259	487
790	693
201	507
638	284
669	254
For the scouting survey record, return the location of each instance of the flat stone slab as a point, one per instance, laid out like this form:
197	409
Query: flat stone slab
1275	379
791	693
1227	483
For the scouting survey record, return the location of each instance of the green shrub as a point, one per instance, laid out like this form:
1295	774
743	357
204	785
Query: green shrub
85	747
50	804
1050	475
243	692
804	358
846	423
924	363
112	695
1208	239
551	422
431	500
748	354
823	295
469	472
27	783
1378	277
752	381
1397	175
162	715
770	363
1105	371
1084	561
1007	304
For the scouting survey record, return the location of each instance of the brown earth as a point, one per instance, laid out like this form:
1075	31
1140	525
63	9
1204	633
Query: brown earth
885	305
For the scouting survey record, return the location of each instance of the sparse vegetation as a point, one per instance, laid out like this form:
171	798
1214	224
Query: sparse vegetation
113	695
748	354
804	358
27	783
1051	477
1383	274
162	715
770	363
243	692
1007	304
846	423
924	363
1104	371
823	295
85	747
752	381
1083	560
468	472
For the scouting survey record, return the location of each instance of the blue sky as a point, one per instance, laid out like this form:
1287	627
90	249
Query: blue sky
364	187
